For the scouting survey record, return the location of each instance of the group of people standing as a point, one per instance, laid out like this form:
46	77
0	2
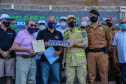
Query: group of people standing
92	46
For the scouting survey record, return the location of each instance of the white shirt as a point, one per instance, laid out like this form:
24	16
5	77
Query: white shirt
61	30
120	42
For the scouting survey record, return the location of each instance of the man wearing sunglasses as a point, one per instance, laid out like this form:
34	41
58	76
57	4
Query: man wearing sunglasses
119	44
50	33
25	58
7	36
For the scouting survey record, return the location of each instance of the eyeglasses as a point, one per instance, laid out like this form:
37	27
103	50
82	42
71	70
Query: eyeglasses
7	20
123	22
14	23
33	25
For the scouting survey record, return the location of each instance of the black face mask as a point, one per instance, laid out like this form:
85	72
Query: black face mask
72	24
93	19
109	24
7	24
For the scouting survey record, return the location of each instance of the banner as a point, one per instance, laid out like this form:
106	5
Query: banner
22	16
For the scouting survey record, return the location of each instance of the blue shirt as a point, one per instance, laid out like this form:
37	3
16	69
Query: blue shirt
61	30
36	33
120	42
37	56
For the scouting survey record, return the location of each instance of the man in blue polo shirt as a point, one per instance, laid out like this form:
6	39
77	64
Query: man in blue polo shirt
7	36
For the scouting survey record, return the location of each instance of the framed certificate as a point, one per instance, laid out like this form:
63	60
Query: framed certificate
38	45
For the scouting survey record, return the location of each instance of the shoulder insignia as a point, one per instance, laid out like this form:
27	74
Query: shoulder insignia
65	33
78	30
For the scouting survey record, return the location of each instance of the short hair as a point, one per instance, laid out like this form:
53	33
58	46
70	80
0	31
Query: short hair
94	12
27	22
52	16
13	20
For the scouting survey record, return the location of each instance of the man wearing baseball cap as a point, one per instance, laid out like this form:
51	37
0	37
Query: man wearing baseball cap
42	24
7	36
63	25
116	68
99	39
75	56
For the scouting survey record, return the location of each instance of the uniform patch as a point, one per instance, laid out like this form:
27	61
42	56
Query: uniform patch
84	35
101	28
57	37
78	36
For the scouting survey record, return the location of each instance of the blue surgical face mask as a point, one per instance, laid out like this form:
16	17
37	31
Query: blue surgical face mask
7	24
63	24
42	27
123	26
15	26
31	30
51	25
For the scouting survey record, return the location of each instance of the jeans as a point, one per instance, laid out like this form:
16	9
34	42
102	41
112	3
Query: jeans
123	71
38	71
55	70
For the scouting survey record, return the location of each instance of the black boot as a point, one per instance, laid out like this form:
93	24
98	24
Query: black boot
118	80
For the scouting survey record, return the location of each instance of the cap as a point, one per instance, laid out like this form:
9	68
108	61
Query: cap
70	16
110	19
95	12
63	18
6	16
41	21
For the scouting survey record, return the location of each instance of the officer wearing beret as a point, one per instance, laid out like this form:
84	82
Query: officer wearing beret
99	39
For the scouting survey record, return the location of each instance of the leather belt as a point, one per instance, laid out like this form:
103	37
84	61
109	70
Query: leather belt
105	49
25	56
97	50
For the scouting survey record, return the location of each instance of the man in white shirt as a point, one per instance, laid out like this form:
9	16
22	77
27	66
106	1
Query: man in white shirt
119	45
63	26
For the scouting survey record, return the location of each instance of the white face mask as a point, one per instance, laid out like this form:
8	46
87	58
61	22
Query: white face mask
83	23
63	24
41	27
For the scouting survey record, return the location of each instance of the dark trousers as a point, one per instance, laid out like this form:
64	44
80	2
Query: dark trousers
38	71
123	71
